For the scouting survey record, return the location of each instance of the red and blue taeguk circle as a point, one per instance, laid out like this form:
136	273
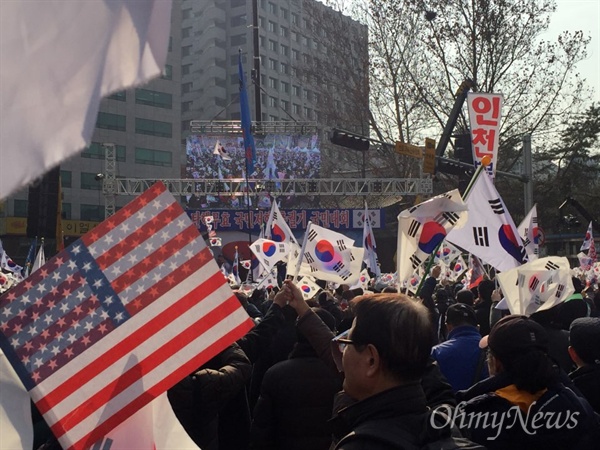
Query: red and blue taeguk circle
324	251
269	248
305	288
277	234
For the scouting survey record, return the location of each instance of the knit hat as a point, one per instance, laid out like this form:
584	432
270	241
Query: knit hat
459	313
584	336
515	335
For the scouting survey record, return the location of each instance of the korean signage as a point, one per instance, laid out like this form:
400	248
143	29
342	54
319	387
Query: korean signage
429	156
485	113
297	219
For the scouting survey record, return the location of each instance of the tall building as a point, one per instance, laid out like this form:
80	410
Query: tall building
313	61
312	68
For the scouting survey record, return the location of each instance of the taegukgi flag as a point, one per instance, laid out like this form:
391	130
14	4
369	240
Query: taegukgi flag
422	228
119	317
490	232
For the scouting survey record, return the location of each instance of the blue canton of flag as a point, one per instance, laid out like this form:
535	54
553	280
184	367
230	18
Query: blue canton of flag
250	149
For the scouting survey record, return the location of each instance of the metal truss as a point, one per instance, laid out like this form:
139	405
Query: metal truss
224	127
390	187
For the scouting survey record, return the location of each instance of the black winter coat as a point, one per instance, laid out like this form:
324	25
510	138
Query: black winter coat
587	380
295	404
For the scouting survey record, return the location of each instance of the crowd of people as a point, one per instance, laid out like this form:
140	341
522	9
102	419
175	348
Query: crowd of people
379	369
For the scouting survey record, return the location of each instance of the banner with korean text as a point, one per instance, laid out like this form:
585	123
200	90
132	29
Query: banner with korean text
485	113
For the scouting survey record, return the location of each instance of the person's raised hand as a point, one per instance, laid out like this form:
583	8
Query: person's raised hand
296	299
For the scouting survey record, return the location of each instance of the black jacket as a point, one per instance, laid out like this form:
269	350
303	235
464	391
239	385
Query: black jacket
560	419
587	380
391	418
295	403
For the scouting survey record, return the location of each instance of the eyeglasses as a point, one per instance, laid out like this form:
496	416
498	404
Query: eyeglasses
342	341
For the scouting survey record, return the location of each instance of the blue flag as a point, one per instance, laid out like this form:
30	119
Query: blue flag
30	257
246	123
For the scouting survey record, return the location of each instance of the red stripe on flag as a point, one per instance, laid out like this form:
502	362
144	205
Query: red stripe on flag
169	381
130	342
123	214
142	368
162	254
134	239
163	286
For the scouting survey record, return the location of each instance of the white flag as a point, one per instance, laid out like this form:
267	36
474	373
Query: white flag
330	256
277	229
446	253
40	259
308	287
269	252
542	289
458	267
235	269
363	281
490	232
58	60
528	230
413	282
370	256
589	236
7	263
509	280
220	150
423	227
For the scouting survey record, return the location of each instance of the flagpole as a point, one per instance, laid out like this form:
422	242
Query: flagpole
299	261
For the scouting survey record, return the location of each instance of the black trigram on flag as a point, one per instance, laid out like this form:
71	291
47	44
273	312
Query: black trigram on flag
559	290
281	248
449	216
275	215
480	236
526	242
338	266
551	266
413	229
312	235
413	209
341	244
496	206
309	258
416	261
534	283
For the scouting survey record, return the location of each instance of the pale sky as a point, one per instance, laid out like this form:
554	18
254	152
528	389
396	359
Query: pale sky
581	15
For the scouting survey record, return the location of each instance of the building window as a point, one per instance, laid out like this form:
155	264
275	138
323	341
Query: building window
272	102
295	19
285	86
186	69
272	83
285	68
305	94
284	104
154	98
295	54
186	87
283	31
186	50
92	213
186	32
121	96
307	113
296	91
167	73
272	118
186	106
66	211
20	208
238	20
272	64
285	50
239	39
153	128
272	8
96	151
272	27
153	157
65	178
272	45
296	108
88	181
285	13
110	121
186	13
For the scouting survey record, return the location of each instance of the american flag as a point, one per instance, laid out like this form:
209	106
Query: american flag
118	318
